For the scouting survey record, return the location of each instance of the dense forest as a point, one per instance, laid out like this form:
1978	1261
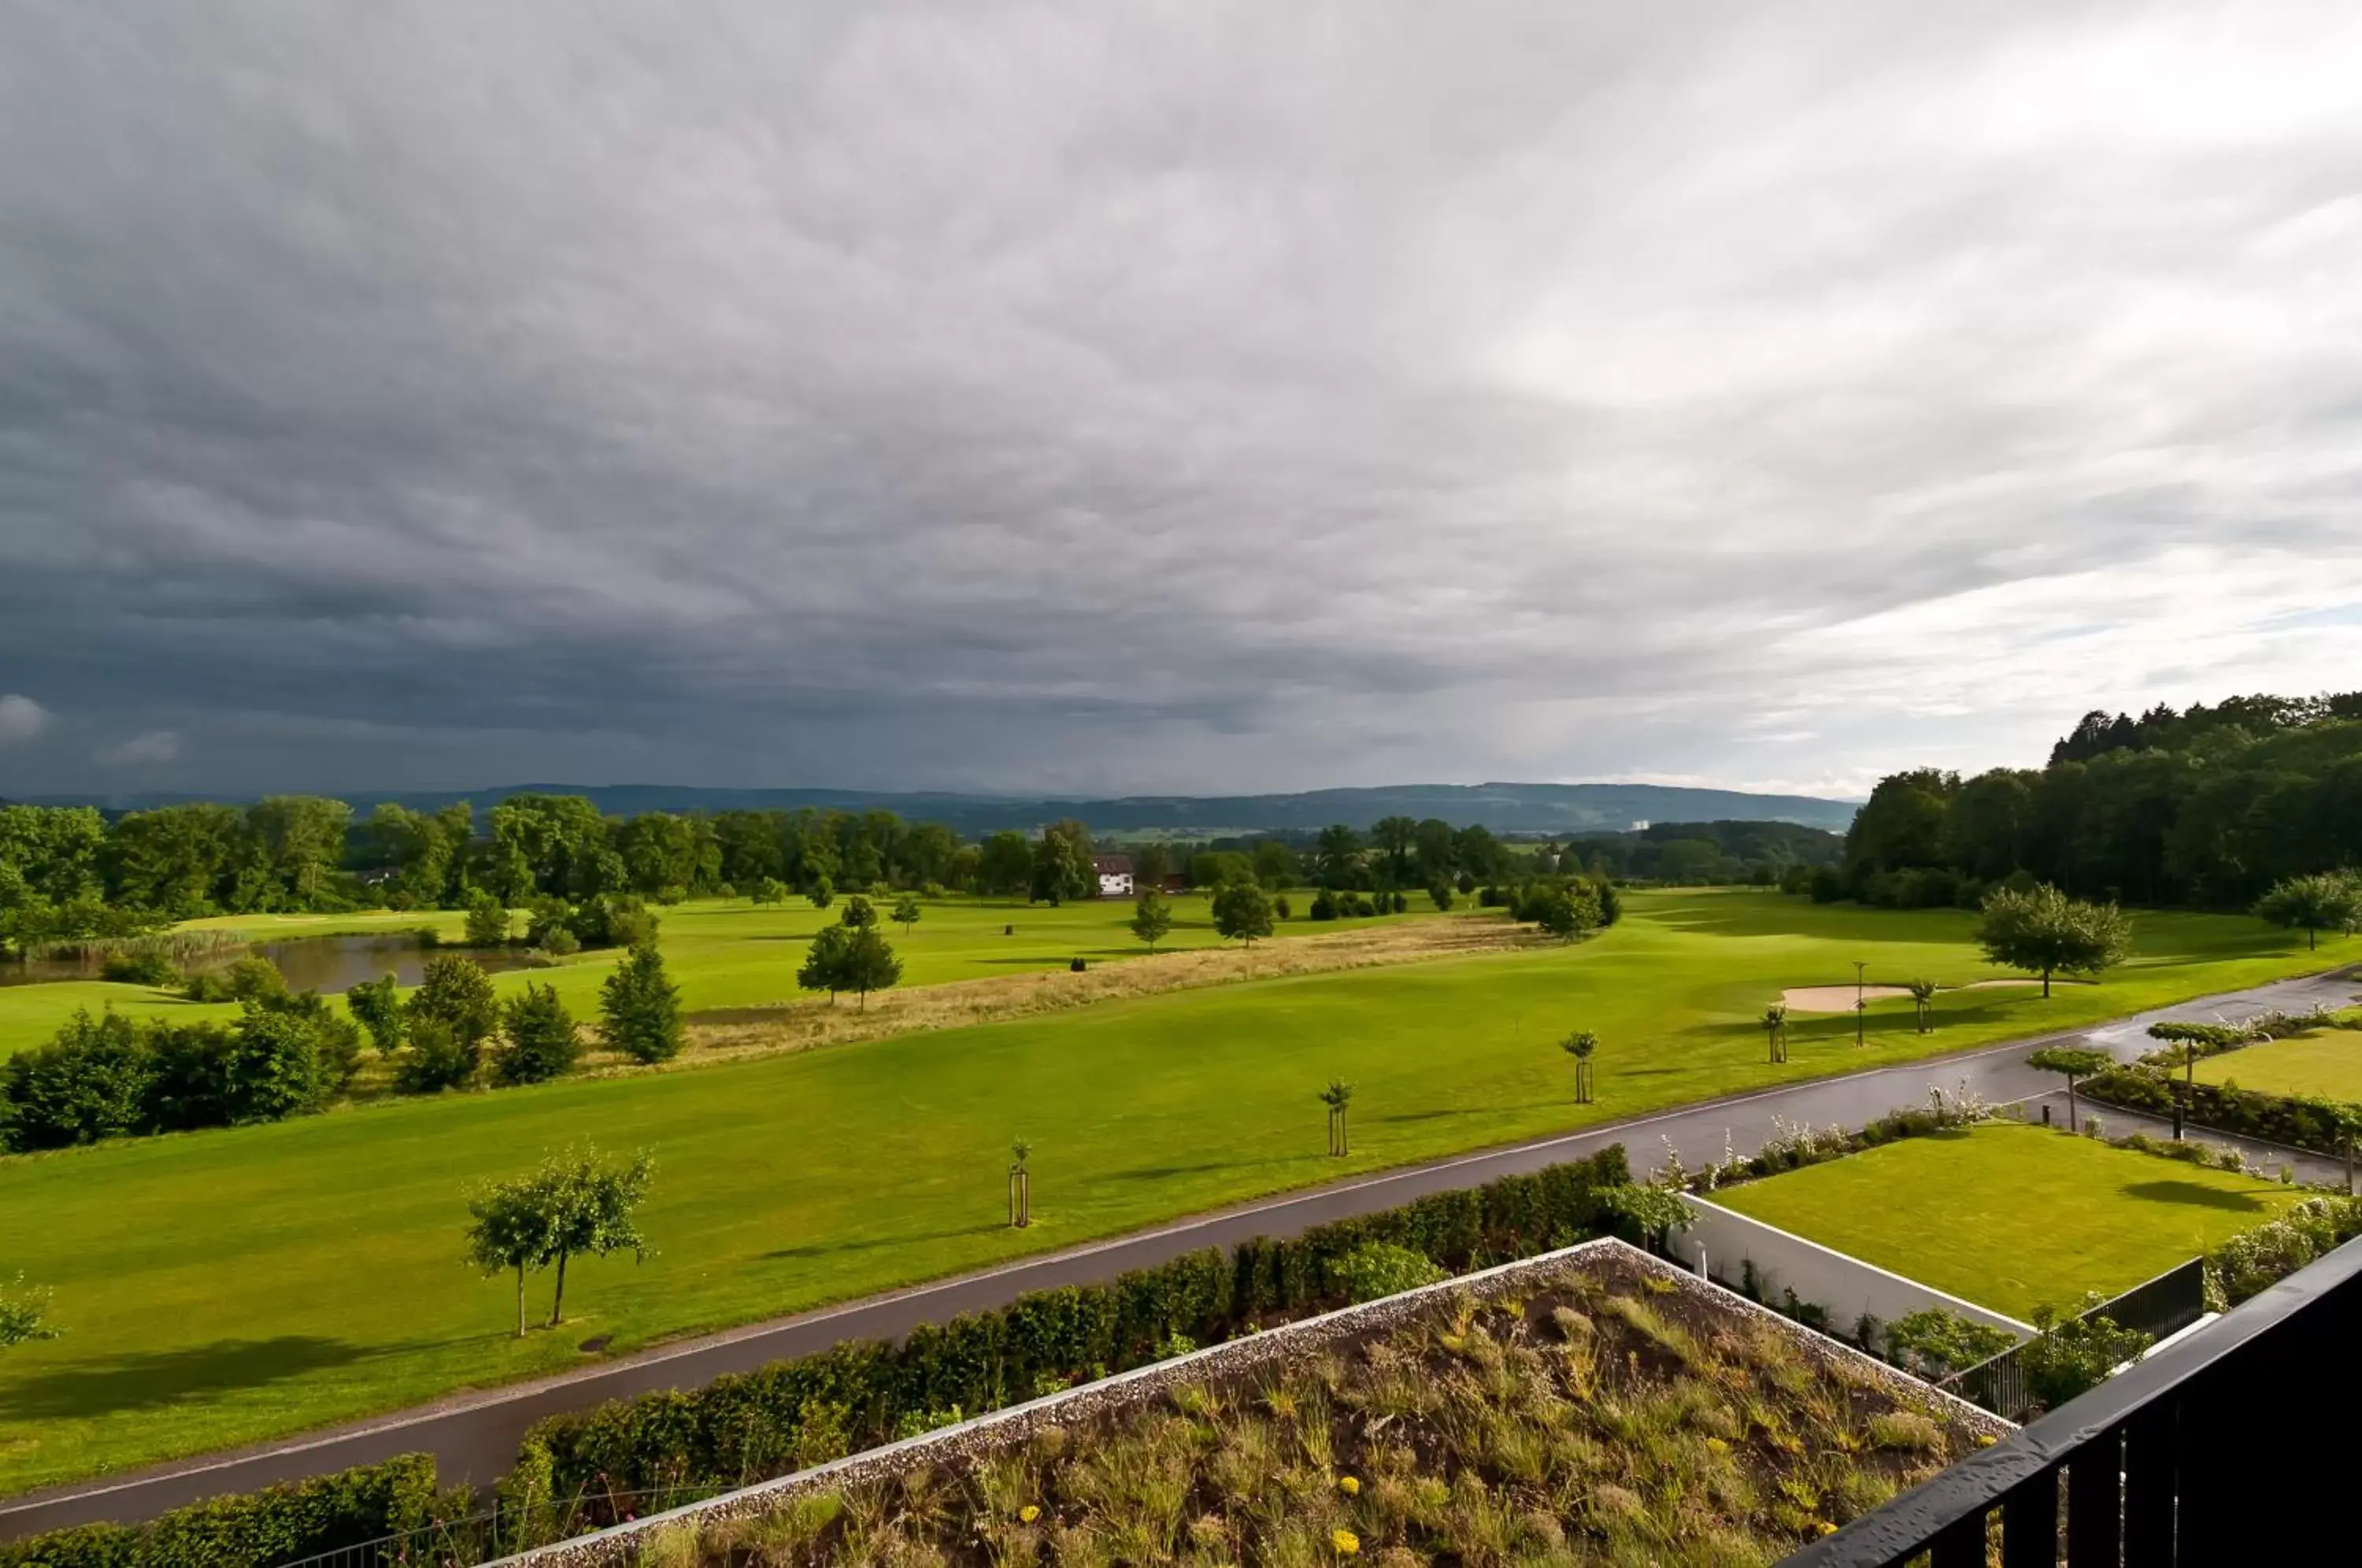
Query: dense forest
2210	808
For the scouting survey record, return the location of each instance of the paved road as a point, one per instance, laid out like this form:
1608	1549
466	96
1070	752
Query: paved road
474	1437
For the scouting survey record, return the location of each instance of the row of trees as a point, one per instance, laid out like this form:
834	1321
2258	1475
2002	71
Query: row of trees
290	1054
2214	808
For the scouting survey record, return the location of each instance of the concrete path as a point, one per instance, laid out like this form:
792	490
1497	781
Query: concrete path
474	1437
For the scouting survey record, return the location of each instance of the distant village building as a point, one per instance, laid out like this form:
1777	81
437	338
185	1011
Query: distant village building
1115	875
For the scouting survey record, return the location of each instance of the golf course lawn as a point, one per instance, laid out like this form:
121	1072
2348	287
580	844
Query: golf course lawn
722	953
2326	1064
223	1287
2012	1217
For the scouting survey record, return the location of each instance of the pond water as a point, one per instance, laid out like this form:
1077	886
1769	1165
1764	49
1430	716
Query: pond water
323	964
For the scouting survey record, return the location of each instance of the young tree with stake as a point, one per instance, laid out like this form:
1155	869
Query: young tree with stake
1774	1022
906	913
1581	1045
1337	1097
1923	1001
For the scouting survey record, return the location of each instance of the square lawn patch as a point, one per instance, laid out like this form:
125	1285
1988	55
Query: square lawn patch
2326	1063
2010	1217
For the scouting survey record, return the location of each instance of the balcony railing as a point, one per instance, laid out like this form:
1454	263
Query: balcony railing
2158	1307
2223	1449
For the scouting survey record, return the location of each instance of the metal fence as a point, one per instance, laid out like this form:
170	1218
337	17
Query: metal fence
2158	1307
483	1537
2194	1457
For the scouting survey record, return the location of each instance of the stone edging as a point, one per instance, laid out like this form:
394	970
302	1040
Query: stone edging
615	1546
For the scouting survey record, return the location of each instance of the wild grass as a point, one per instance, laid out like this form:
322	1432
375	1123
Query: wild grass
1734	1449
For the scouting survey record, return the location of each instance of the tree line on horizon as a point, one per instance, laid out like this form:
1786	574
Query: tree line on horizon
2212	808
72	874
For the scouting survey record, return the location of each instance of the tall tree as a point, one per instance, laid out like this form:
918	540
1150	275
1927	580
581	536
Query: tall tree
456	994
2325	902
512	1227
869	965
2046	931
593	1211
1151	917
1005	865
1243	912
1062	864
639	1007
1395	838
1337	857
541	1039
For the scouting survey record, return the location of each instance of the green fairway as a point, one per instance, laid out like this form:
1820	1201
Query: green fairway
2326	1064
2012	1217
723	954
222	1287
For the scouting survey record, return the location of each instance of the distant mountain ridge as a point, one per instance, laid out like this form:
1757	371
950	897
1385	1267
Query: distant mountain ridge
1503	807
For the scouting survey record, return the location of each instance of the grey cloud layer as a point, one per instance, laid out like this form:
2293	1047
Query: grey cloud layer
1163	396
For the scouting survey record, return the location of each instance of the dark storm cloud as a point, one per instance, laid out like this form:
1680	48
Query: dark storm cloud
1161	396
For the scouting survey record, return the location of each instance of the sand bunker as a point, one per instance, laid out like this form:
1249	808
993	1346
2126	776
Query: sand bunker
1840	998
1835	999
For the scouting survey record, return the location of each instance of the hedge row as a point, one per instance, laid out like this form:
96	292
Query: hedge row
2294	1120
630	1455
254	1529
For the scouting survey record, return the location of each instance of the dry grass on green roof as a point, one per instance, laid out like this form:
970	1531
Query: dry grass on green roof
1611	1415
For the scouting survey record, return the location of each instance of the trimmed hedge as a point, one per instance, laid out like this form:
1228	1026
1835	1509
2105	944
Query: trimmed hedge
2297	1121
254	1529
633	1454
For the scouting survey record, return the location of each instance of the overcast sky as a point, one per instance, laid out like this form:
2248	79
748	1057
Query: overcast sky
1118	396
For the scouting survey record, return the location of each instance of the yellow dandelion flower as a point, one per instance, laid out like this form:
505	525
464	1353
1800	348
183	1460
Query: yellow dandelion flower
1028	1513
1828	1529
1716	1445
1350	1485
1345	1541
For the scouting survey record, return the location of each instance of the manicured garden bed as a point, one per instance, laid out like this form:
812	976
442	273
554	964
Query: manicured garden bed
2012	1217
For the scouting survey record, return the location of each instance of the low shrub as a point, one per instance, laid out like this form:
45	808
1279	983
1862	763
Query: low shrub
2300	1121
255	1529
145	966
1377	1269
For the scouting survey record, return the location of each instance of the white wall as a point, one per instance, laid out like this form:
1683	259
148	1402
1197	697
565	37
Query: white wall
1843	1286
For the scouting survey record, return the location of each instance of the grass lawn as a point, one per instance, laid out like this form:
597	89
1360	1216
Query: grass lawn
723	954
2011	1216
223	1287
2326	1063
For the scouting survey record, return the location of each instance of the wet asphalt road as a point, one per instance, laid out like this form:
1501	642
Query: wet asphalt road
474	1437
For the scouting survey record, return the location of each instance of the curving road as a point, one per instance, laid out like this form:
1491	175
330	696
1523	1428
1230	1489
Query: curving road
474	1437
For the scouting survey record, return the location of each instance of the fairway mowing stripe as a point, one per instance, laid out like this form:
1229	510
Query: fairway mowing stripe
660	1356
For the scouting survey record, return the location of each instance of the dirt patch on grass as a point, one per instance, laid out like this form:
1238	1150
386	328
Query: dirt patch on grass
1840	999
801	1025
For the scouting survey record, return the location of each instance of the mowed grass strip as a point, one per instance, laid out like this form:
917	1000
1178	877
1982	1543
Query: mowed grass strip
725	954
2326	1064
224	1286
2011	1216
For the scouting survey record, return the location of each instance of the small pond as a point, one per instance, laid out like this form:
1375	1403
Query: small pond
323	964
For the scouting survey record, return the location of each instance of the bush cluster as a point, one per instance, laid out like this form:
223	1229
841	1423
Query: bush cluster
1338	903
111	1076
2252	1261
741	1428
254	1529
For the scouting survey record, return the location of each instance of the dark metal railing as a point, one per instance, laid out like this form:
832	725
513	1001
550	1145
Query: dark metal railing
2160	1307
2195	1457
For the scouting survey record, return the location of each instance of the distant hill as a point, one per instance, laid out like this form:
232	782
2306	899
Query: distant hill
1554	809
